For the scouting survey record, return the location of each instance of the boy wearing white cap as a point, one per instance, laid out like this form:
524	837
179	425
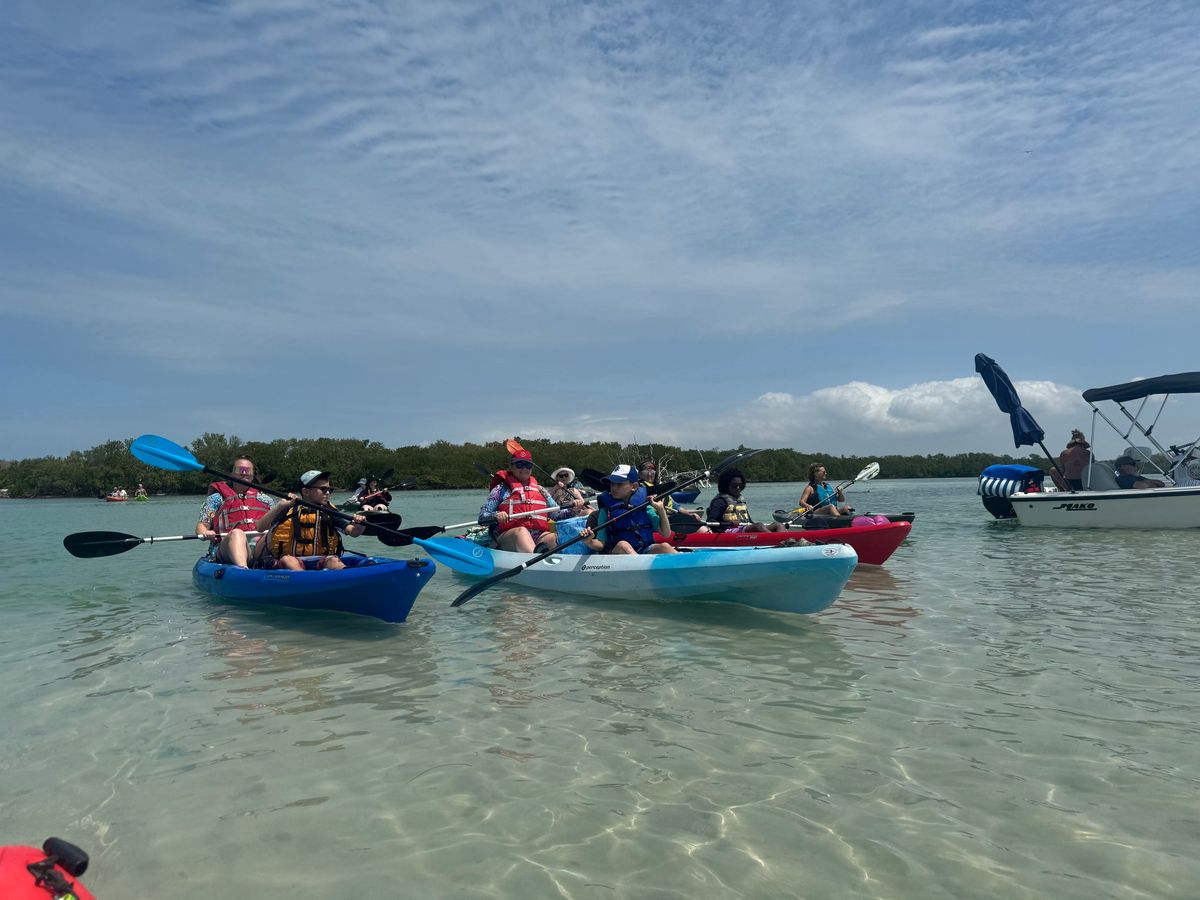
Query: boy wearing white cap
302	537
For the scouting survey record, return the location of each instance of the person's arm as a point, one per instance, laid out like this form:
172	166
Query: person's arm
488	514
716	509
662	520
272	516
595	520
355	527
208	513
806	496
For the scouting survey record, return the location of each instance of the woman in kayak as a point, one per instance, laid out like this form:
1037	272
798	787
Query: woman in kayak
635	532
729	510
518	510
373	498
565	494
818	493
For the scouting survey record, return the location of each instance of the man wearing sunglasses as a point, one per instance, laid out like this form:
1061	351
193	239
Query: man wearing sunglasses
518	510
228	513
302	537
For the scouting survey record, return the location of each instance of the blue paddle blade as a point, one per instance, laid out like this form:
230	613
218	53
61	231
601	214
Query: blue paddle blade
472	559
163	454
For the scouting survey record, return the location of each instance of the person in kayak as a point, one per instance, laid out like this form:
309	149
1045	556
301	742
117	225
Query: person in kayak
141	491
818	493
729	510
635	533
228	513
647	475
373	498
302	538
514	492
565	494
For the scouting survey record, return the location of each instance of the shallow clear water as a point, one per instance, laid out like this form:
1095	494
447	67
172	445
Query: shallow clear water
997	712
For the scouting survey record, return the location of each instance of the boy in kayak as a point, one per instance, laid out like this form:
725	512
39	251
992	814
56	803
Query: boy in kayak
634	533
302	537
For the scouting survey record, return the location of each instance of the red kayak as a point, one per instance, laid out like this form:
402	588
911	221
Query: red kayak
873	543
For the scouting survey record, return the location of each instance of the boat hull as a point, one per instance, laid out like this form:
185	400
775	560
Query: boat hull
785	579
1171	507
873	543
369	586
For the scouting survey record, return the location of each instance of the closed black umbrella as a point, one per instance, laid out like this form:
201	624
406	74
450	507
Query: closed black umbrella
1025	429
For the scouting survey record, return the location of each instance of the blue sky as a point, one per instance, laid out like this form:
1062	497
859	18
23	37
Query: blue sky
695	223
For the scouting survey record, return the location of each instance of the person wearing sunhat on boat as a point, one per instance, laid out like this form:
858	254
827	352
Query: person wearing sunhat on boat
1074	459
228	513
1128	477
564	492
635	533
516	492
301	537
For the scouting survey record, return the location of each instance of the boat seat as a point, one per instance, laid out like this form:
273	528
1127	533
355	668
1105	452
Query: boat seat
1098	476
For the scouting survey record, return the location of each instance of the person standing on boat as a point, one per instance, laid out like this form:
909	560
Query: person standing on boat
730	510
516	491
1128	477
818	493
635	533
228	513
302	537
1074	459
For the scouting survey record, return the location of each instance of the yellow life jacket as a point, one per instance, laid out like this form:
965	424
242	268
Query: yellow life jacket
736	511
294	535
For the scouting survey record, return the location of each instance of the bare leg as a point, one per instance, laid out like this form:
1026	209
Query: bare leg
287	561
662	548
516	540
332	562
234	549
623	547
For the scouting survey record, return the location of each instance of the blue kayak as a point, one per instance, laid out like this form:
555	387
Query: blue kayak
685	496
368	586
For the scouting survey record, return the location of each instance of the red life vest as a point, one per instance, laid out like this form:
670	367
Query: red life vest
18	883
237	511
524	498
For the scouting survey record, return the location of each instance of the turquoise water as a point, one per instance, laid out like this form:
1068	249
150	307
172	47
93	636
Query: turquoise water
998	712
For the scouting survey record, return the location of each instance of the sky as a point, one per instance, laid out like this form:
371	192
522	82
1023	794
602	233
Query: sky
703	224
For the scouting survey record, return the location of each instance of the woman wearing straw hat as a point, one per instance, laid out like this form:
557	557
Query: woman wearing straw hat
563	491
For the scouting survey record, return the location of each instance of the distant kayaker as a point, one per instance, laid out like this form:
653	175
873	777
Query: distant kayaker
374	498
515	491
1074	459
634	533
141	491
730	510
229	512
302	537
818	493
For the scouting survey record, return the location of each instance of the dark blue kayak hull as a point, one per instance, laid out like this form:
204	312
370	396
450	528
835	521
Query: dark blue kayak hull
369	586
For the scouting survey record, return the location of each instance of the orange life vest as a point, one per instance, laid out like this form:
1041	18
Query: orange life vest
305	532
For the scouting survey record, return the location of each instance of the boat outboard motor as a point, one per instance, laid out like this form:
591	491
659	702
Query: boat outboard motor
998	483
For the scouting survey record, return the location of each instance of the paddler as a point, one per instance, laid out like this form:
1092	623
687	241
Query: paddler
228	513
818	493
518	510
634	533
730	510
302	537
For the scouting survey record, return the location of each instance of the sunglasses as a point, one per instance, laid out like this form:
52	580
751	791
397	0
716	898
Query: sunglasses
327	489
522	465
244	470
562	476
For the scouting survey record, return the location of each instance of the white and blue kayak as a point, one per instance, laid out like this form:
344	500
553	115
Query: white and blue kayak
369	585
786	579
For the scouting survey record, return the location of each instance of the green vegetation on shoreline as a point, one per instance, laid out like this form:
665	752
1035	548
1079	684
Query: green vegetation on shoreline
91	473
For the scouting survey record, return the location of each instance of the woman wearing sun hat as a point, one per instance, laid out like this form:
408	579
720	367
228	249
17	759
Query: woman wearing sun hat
563	492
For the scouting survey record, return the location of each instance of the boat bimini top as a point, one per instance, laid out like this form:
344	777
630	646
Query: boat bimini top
1184	468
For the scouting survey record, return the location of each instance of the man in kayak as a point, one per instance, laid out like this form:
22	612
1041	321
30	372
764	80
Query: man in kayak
730	510
302	537
228	513
634	533
648	475
141	491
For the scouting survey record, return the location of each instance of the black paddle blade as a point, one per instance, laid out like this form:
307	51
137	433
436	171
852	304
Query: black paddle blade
394	539
477	589
91	544
376	520
684	524
424	532
593	479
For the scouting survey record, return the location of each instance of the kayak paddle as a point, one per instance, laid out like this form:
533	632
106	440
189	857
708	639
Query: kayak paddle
91	544
164	454
482	586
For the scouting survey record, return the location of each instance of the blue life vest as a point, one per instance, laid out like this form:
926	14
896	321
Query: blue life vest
637	529
823	492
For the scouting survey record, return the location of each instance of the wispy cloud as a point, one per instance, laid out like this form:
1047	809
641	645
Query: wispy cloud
624	193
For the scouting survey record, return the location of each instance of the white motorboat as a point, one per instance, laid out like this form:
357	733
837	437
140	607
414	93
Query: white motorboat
1103	503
